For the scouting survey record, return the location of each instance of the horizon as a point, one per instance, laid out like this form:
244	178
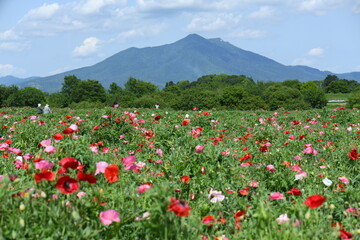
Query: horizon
42	38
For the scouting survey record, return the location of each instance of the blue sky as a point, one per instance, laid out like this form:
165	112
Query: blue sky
45	37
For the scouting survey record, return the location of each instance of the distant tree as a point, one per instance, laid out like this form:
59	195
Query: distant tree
114	88
338	86
354	100
292	83
286	97
27	96
329	79
195	97
184	84
5	92
139	87
252	103
232	96
90	91
308	85
57	100
315	97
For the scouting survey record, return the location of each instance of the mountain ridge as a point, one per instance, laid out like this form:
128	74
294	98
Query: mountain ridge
186	59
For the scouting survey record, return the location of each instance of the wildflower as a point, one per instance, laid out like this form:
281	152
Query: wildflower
44	164
199	148
276	196
345	180
44	175
271	168
283	218
67	185
353	154
144	187
111	173
185	122
216	196
315	201
109	216
100	167
179	207
327	182
185	179
300	175
81	176
294	191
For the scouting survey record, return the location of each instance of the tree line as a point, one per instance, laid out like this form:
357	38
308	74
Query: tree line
207	92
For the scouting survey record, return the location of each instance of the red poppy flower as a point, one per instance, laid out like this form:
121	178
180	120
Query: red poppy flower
58	136
44	175
67	185
68	117
185	179
344	234
179	207
294	191
185	122
315	201
353	154
81	176
68	130
69	162
209	219
112	173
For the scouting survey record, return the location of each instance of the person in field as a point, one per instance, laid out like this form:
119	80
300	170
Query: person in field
47	109
39	109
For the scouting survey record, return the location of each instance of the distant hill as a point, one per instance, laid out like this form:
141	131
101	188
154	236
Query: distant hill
186	59
11	80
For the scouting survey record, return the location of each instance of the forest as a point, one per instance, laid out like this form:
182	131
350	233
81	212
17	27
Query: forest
231	92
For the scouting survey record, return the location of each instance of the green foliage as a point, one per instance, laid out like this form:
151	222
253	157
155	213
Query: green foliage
354	100
86	104
285	97
315	97
139	87
27	96
338	87
202	99
232	96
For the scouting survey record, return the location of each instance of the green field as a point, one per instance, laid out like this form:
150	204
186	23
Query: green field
117	173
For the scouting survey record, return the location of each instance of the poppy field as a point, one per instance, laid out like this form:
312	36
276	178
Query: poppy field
118	173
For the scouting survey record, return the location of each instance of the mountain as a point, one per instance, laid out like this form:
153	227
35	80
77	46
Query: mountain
186	59
11	80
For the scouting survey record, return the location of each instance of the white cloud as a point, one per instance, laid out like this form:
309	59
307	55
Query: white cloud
212	22
263	12
9	35
13	46
6	69
90	46
357	68
96	6
315	52
248	34
319	6
46	11
356	7
184	5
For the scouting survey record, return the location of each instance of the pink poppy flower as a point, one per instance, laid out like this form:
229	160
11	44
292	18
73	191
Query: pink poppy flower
345	180
45	143
100	167
160	152
199	148
216	196
109	216
271	168
300	175
276	196
143	188
50	149
44	164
